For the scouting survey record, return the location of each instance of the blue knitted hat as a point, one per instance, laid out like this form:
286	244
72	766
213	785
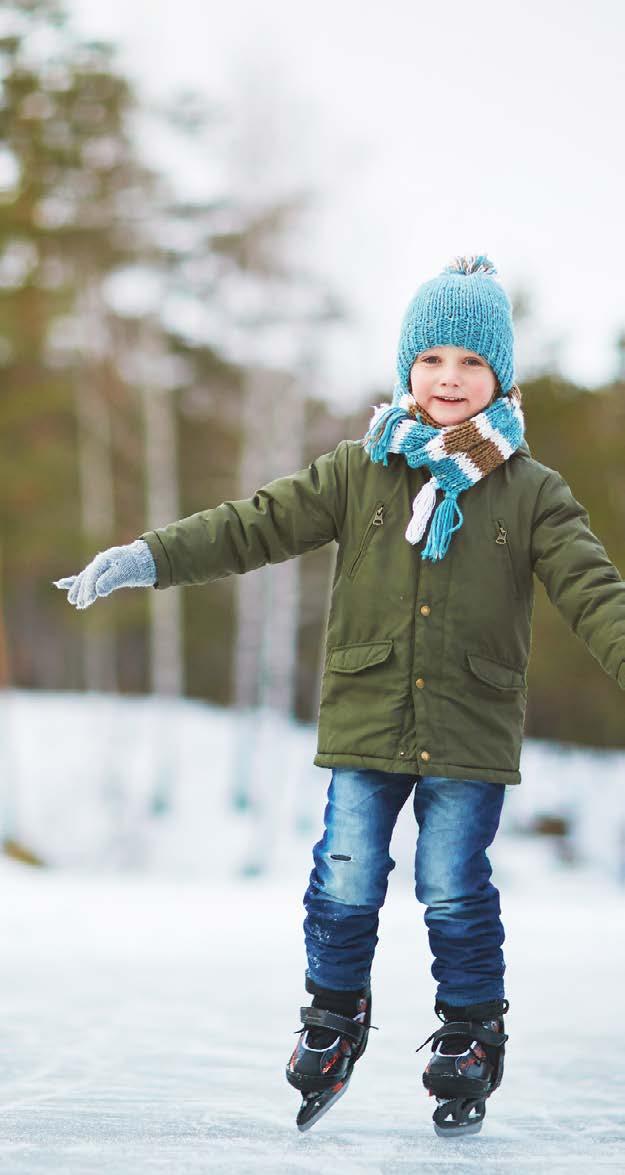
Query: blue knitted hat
465	307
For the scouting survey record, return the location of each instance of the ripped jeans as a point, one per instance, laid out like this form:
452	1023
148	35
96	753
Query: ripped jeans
457	820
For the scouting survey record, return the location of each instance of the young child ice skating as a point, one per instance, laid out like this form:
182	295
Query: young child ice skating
442	519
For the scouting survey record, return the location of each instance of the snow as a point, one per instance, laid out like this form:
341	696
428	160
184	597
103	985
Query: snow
150	997
145	783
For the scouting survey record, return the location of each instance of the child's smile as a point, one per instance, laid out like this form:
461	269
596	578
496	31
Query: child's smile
452	384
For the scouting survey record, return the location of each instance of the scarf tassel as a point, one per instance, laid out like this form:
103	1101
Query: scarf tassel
442	528
422	508
379	437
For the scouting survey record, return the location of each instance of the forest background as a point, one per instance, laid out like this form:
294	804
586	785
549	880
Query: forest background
159	355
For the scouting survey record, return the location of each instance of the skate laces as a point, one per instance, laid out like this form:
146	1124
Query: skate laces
320	1038
446	1018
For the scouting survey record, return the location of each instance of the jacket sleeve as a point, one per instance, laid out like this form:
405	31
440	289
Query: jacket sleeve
284	518
579	577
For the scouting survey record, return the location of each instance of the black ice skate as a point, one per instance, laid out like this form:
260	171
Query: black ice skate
466	1065
323	1059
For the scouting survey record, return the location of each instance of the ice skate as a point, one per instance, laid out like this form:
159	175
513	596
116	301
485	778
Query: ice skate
466	1066
321	1064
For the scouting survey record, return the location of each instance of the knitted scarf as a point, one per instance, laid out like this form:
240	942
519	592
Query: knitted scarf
457	456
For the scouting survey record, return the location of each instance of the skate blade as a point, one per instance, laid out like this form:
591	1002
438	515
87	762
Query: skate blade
456	1131
447	1118
308	1115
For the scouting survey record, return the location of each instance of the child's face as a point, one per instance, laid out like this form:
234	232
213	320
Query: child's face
452	372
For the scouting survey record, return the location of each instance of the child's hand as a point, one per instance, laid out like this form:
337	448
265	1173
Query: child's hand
128	566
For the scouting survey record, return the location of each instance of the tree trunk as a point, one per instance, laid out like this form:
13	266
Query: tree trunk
162	507
267	626
95	470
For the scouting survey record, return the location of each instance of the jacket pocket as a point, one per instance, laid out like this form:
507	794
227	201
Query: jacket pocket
353	658
493	673
363	701
502	539
375	522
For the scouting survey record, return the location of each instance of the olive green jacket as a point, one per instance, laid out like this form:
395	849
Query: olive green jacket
425	665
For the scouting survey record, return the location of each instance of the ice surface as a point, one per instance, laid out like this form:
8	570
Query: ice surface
146	1025
150	989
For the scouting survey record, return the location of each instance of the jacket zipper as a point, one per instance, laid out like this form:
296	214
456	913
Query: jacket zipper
376	520
502	541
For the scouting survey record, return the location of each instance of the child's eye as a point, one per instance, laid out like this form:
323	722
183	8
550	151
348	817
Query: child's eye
435	358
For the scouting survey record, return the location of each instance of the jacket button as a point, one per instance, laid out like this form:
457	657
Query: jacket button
425	755
425	609
401	754
419	683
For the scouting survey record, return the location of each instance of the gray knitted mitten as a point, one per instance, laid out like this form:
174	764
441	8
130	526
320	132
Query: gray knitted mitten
129	566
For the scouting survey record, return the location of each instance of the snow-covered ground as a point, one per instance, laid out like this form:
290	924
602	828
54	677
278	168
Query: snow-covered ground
151	978
182	788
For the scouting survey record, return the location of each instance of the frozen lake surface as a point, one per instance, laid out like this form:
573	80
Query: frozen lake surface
147	1021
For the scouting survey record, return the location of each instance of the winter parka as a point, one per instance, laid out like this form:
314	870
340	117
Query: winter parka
425	663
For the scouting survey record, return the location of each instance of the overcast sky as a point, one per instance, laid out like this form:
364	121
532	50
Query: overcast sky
429	130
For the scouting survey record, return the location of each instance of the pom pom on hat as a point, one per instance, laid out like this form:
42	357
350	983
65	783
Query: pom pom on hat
471	264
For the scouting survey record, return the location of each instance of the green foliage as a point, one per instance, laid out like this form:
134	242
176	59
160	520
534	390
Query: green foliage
579	433
84	208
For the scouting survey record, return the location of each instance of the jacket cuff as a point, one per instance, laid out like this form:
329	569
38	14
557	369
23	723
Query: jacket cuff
164	577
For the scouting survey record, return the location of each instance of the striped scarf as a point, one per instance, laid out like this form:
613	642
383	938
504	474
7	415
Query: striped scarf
457	456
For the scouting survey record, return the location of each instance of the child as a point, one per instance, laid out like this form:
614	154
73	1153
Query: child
424	688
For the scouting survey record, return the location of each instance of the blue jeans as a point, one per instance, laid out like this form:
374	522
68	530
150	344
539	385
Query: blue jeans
457	820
